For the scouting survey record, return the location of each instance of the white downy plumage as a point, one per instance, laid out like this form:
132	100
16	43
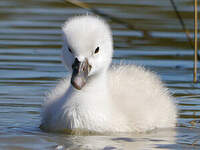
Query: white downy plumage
120	98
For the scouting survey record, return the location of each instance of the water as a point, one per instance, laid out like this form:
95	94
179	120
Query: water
30	65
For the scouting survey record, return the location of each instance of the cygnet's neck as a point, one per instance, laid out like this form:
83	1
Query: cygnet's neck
96	87
91	105
98	81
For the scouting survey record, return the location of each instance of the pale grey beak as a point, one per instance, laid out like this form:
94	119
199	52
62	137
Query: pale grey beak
80	73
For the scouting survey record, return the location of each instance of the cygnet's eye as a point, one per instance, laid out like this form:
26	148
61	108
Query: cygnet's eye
70	50
96	50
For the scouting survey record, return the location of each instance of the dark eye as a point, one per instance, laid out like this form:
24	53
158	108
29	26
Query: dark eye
96	50
70	50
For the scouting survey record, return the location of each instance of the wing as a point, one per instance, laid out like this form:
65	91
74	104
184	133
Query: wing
141	95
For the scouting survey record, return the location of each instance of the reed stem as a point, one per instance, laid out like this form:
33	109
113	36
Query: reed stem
195	40
182	23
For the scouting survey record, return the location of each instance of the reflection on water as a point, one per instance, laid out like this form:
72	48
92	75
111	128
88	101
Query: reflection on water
127	141
30	65
30	139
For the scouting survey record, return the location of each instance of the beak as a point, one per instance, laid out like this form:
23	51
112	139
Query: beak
80	73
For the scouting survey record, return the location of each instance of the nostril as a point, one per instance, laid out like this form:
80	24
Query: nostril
90	67
75	64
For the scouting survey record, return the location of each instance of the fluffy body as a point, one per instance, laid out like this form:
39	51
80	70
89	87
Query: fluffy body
121	98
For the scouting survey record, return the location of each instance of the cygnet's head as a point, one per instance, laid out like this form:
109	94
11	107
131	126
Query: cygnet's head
87	48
